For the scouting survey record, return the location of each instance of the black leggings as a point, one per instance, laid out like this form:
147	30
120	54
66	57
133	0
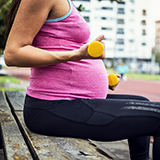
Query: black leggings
115	118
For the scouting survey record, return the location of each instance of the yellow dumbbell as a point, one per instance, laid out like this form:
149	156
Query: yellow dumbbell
95	49
113	81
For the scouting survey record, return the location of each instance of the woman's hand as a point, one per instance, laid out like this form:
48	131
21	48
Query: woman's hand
118	76
83	53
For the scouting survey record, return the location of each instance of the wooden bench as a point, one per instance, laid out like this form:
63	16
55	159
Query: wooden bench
19	143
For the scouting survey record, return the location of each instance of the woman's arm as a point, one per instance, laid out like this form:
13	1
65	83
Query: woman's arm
30	17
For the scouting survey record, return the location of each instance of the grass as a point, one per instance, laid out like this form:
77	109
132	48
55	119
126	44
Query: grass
11	89
142	76
8	80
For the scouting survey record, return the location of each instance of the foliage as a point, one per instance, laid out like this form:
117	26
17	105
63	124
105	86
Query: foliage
138	76
81	8
143	76
158	57
4	7
11	89
113	0
7	81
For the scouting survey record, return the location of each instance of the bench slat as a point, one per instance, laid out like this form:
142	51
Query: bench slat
118	149
13	142
60	148
49	147
16	98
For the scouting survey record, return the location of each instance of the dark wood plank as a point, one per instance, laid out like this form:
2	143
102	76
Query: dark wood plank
16	98
59	148
49	147
1	154
13	142
118	149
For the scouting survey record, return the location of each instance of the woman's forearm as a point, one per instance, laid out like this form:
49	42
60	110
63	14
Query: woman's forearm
29	56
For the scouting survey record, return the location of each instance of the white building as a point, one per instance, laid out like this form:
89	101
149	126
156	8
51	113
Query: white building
126	26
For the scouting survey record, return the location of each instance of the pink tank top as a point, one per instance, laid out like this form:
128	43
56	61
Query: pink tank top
72	79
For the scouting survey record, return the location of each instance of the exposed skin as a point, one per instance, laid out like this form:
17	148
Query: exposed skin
30	17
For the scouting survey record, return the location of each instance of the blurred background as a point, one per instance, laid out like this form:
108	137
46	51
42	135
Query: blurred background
131	29
132	37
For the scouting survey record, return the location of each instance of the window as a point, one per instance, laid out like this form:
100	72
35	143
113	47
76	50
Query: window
120	11
103	18
144	12
120	49
120	21
83	0
106	28
108	39
107	8
143	44
120	2
87	18
86	10
143	32
143	22
120	41
120	31
131	40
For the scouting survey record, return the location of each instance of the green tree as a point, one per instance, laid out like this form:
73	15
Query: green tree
81	8
157	57
156	53
113	0
4	7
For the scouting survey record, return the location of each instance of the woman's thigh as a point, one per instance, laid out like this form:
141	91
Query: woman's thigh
126	96
97	119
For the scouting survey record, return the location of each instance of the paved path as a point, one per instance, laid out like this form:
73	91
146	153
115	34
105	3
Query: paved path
19	72
149	89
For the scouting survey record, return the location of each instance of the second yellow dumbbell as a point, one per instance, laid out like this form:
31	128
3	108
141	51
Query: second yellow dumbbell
113	81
